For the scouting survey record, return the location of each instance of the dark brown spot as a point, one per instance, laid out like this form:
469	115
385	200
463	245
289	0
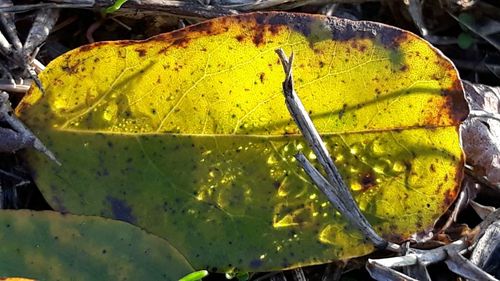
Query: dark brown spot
432	168
451	194
71	69
181	42
367	180
258	38
85	48
455	102
205	28
262	76
162	51
407	166
88	47
449	197
119	43
240	38
274	29
276	184
141	52
342	111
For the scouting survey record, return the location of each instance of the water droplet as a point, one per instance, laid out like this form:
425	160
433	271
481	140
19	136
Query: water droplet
271	160
398	167
291	130
283	188
377	148
170	98
311	156
231	274
286	148
313	196
339	158
286	221
356	186
380	167
356	149
282	192
362	204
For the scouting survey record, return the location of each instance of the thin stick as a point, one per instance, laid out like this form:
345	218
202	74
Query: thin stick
333	185
18	126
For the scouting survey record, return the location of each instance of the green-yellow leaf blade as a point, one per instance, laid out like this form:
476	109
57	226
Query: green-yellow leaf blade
51	246
187	135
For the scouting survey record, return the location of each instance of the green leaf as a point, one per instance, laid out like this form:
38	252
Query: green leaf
115	7
51	246
195	276
187	136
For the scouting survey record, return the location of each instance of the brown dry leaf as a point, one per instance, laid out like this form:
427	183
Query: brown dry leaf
481	136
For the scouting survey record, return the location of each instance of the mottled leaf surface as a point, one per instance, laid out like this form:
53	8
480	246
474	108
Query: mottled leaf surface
187	136
51	246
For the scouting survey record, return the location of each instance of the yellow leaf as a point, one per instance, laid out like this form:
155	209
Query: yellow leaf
16	279
187	135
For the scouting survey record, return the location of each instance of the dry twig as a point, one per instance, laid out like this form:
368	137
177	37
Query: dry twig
19	136
333	186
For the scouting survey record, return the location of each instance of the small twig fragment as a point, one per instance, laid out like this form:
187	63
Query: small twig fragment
333	185
485	253
7	20
481	210
382	273
463	267
417	271
22	132
44	22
